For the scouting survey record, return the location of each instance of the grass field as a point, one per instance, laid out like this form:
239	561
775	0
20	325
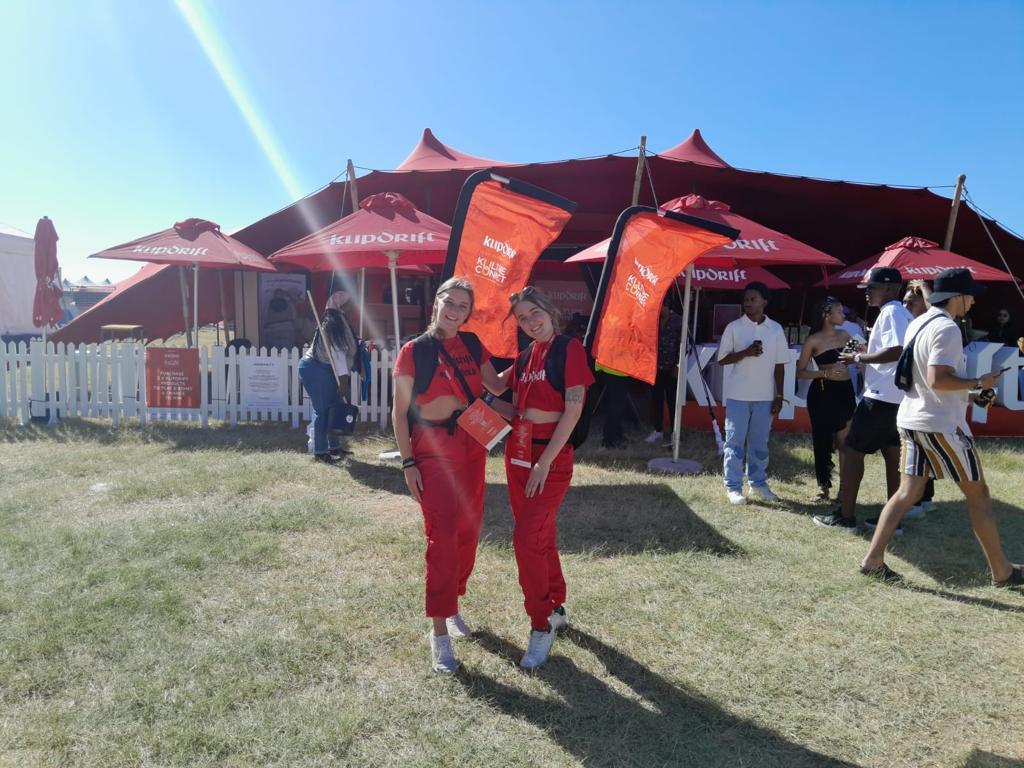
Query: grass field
171	596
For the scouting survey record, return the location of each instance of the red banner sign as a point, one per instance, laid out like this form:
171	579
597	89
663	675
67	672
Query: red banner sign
648	250
172	378
501	227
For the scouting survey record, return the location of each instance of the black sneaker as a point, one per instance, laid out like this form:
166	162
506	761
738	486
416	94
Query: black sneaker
325	458
836	520
872	522
1016	578
883	573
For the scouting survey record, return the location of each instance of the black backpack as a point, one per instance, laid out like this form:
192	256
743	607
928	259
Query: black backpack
424	358
554	372
904	375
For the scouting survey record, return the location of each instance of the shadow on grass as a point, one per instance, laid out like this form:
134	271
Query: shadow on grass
604	519
963	599
981	759
661	724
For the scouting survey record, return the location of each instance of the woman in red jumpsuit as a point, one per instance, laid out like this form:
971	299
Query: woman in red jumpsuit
442	464
538	462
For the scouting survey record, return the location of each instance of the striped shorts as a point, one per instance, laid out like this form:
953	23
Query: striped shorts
940	455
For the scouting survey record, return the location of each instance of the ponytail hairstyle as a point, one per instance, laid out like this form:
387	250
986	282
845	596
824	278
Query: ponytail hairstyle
445	288
538	297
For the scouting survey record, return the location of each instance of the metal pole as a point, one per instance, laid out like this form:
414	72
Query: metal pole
948	242
184	305
639	170
677	417
392	266
362	300
195	299
223	309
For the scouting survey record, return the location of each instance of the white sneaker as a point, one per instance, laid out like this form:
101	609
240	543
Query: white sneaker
654	437
457	627
762	492
915	512
927	506
442	655
735	497
538	648
558	620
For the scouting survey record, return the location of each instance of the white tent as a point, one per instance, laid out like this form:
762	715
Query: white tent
17	281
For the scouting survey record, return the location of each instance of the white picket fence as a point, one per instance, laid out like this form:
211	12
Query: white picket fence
108	381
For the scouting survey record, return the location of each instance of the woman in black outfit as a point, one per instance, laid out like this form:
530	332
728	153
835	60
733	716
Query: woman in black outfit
830	398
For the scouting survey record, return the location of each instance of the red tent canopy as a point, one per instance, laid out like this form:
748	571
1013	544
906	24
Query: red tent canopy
695	150
384	222
844	219
711	278
150	298
431	154
915	257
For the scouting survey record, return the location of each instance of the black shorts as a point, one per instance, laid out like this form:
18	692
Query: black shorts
873	426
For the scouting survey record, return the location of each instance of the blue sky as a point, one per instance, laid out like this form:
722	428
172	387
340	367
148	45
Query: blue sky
117	120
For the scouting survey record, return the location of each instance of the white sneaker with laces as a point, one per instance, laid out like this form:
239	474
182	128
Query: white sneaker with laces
442	655
457	627
558	620
654	437
538	649
735	497
916	512
762	492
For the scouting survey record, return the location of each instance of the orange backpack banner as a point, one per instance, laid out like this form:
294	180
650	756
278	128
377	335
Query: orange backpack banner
500	229
648	250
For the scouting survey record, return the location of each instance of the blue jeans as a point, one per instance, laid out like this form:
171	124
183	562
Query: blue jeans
321	386
747	425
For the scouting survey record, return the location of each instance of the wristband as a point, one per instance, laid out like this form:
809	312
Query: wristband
856	357
410	462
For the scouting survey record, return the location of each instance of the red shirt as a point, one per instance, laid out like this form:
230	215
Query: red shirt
445	382
531	386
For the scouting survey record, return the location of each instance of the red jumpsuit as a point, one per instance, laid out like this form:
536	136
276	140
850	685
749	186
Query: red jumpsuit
452	470
536	529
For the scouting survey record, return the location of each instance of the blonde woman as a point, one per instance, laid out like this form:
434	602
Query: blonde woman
436	376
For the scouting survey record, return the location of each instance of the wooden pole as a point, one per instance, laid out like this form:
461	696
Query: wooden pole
223	308
639	170
392	266
184	305
353	189
948	242
677	417
195	300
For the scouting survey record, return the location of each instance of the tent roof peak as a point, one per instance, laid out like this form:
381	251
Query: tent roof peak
431	154
695	150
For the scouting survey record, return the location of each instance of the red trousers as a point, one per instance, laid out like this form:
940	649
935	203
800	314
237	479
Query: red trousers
536	530
452	500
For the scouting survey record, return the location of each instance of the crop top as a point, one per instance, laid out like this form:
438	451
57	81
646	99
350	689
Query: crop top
828	357
445	382
532	383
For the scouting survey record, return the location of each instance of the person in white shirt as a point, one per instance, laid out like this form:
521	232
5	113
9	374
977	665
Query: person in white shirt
873	427
935	438
754	352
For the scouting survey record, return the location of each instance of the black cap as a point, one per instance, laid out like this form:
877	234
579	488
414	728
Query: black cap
883	276
954	282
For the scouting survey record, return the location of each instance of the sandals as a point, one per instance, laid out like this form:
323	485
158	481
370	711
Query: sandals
883	573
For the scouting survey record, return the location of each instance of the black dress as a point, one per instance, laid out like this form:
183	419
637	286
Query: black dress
830	404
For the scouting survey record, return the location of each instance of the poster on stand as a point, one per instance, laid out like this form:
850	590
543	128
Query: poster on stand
264	382
172	377
286	320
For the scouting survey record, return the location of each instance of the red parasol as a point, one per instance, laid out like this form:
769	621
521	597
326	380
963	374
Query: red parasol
386	231
46	310
915	257
192	242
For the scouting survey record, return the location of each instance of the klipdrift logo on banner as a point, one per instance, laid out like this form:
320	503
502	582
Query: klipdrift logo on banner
382	238
491	270
504	248
174	250
705	274
752	245
636	288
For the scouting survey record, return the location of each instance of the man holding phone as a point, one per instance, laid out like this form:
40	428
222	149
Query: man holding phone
935	438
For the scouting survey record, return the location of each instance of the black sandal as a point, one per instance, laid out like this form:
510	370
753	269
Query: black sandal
883	573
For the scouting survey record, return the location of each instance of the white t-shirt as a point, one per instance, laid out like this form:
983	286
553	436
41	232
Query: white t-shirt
889	330
938	343
752	379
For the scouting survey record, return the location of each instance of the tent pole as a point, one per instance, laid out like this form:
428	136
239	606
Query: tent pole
195	299
223	309
353	190
696	306
639	170
184	305
948	242
677	417
392	267
362	299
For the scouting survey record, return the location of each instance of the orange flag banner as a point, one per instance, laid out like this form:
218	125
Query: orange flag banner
501	226
648	250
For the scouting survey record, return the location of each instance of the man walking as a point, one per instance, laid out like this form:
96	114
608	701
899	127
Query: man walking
753	352
873	427
935	438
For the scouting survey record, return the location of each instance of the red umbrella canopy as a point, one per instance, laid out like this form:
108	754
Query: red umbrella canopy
757	243
192	241
736	278
46	305
915	258
384	222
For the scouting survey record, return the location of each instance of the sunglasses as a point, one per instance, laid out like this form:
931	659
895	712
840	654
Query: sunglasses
515	298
